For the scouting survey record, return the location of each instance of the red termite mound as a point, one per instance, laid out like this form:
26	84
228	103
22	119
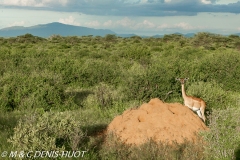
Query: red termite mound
165	122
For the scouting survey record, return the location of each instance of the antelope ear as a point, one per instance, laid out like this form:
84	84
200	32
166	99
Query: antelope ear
177	79
186	79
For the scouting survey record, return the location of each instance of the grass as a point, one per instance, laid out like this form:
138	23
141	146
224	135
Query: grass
7	122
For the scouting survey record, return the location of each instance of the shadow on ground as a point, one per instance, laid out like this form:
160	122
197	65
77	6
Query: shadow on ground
95	137
237	153
79	96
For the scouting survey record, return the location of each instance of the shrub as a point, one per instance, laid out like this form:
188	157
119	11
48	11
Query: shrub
104	96
140	54
155	82
212	93
95	71
7	122
223	67
115	149
19	91
110	37
49	131
223	139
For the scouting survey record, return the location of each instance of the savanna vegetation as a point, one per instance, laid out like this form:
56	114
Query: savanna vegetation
60	93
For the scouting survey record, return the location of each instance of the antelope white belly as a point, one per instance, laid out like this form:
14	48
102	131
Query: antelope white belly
195	109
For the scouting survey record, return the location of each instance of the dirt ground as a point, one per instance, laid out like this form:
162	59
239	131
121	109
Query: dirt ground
158	121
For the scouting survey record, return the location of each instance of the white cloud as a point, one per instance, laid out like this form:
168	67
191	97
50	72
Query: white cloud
125	22
143	1
92	24
122	23
167	1
130	24
179	26
130	7
184	26
146	24
33	3
226	1
17	23
238	28
70	20
163	26
21	3
108	23
206	1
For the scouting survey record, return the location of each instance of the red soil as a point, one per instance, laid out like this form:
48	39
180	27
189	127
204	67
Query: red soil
165	122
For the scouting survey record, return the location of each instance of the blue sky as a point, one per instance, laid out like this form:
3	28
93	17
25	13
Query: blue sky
143	17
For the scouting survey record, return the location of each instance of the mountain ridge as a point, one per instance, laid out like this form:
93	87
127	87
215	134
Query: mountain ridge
56	28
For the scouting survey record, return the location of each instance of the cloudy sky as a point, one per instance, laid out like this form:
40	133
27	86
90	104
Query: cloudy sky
143	17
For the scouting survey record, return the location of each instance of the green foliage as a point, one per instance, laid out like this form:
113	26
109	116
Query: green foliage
22	92
95	71
156	80
29	38
102	76
223	67
212	41
104	96
141	54
212	93
223	138
110	37
7	122
49	131
154	83
173	37
115	149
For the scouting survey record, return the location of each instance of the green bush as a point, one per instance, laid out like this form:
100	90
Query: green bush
19	92
48	131
103	76
141	54
113	148
157	81
223	138
94	72
7	122
212	93
222	67
103	96
110	37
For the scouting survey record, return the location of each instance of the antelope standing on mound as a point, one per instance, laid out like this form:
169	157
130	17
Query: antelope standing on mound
195	104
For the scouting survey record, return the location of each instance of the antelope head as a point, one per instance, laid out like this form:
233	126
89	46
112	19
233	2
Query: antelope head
182	80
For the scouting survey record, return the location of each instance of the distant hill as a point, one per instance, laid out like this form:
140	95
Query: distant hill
185	35
237	34
46	30
126	35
